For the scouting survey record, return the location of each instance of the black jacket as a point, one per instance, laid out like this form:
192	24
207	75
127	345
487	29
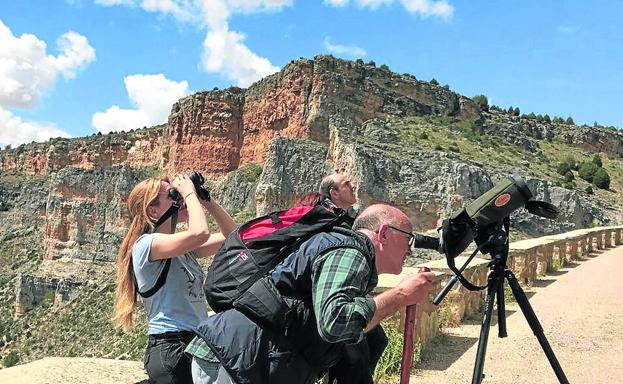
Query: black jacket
258	355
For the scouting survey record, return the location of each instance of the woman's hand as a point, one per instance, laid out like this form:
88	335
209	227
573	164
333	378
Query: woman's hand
183	184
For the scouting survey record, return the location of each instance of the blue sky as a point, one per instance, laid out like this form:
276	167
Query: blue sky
74	67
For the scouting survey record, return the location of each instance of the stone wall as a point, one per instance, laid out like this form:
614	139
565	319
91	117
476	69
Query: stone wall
527	259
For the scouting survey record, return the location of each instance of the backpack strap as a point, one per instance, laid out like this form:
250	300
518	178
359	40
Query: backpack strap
162	278
286	250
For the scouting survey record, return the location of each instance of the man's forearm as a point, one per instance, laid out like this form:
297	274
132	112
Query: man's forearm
387	303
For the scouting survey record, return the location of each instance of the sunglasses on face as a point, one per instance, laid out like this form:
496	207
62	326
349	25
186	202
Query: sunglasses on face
409	234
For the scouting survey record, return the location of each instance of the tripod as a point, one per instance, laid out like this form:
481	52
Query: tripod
495	289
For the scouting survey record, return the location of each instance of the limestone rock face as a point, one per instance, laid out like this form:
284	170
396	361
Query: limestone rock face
139	148
524	133
86	213
264	146
293	168
426	185
217	131
205	133
575	212
236	191
32	290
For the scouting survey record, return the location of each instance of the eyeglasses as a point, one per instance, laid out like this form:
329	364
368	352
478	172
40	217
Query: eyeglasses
409	234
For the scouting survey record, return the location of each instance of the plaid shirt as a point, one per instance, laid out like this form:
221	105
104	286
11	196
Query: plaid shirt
342	280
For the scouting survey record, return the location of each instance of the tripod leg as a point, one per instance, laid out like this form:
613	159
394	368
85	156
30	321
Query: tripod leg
501	309
529	314
492	285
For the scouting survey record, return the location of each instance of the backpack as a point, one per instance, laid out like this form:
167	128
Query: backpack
238	276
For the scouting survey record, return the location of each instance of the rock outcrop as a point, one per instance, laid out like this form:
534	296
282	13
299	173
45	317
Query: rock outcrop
32	290
144	147
525	132
86	216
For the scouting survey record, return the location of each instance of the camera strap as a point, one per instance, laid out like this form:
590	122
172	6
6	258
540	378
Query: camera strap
172	213
459	274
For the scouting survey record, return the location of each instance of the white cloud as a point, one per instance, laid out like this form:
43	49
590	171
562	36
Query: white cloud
336	3
373	4
224	51
152	95
439	8
15	131
27	71
76	54
344	50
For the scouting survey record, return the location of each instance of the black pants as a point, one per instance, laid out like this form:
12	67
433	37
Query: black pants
165	360
359	360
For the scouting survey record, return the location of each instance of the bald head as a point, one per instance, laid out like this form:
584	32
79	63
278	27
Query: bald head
389	229
339	189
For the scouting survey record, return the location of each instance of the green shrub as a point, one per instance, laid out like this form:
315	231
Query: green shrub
569	177
597	161
10	359
516	111
569	121
547	119
563	168
423	135
372	63
384	67
587	171
589	190
359	62
601	179
482	102
389	363
438	147
434	81
572	163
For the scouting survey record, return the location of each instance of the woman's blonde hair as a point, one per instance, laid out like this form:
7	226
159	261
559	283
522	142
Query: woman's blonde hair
142	196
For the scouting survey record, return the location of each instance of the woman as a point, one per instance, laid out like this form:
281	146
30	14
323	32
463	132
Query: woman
174	310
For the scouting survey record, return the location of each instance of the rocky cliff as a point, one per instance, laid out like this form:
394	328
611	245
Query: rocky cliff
140	148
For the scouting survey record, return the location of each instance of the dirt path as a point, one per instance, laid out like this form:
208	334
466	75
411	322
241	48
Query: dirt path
56	370
581	311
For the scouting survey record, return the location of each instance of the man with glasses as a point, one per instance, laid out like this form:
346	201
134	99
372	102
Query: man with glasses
332	275
360	359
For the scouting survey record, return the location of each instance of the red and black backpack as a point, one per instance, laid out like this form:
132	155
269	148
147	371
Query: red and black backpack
238	276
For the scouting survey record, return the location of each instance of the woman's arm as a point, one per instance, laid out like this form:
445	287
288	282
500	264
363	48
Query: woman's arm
226	225
166	246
